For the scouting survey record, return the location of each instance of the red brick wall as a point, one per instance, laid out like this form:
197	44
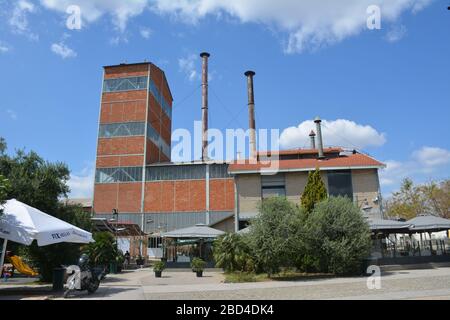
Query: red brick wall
133	110
126	71
120	146
120	161
188	196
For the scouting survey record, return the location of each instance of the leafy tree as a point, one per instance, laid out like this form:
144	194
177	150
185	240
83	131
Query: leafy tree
315	191
4	187
232	253
272	234
337	236
406	203
41	184
437	198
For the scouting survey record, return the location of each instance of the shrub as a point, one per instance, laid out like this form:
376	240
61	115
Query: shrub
104	250
232	253
337	236
159	266
274	235
198	265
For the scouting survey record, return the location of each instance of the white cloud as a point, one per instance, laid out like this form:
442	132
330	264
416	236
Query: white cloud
146	33
424	164
339	132
91	10
19	19
396	33
431	157
12	114
310	24
4	48
188	66
63	50
81	184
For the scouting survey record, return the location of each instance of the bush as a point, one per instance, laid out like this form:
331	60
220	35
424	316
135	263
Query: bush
198	265
159	266
274	237
232	253
104	250
337	237
315	191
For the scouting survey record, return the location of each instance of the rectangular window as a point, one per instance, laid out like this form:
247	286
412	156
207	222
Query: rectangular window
122	129
122	174
178	172
340	183
159	97
273	186
125	84
158	141
218	171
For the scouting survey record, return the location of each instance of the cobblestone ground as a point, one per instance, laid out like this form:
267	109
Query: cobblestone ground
141	284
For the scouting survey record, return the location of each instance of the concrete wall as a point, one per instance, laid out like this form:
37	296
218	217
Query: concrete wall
365	186
249	191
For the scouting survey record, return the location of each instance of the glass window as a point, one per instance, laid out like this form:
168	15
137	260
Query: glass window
340	183
121	129
125	84
269	192
123	174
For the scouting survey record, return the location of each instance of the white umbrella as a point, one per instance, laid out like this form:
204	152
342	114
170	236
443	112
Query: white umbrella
23	224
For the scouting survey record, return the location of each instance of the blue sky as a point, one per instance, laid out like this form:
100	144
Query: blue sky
384	91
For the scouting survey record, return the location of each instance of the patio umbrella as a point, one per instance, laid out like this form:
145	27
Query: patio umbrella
24	224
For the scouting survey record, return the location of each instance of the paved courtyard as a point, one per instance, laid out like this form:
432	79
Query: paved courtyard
141	284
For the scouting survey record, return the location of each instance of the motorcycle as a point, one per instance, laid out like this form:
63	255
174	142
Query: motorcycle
82	277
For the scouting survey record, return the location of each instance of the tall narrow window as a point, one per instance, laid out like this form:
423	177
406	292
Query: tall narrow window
340	183
273	186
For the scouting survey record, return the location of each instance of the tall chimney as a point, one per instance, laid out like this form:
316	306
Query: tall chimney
204	56
251	113
312	135
319	137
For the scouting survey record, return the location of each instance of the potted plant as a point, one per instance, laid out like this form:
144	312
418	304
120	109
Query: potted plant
158	267
120	259
139	260
198	265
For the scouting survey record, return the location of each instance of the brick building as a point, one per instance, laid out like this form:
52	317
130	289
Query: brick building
134	174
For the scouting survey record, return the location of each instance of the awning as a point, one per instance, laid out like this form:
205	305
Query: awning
429	223
388	225
197	231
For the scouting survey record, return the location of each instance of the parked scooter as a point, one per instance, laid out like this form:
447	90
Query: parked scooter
82	277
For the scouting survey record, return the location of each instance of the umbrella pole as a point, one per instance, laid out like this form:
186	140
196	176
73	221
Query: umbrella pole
5	242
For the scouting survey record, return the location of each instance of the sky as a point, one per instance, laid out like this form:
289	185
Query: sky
380	85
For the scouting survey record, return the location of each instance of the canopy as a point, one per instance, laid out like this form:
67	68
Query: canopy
197	231
388	225
23	224
429	223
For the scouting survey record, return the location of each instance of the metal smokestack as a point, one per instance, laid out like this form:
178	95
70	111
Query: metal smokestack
204	56
251	113
319	137
312	135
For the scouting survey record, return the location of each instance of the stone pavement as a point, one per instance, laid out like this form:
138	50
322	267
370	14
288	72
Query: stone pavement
142	285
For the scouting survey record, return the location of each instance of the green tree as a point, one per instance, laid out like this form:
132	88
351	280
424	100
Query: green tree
406	203
41	184
4	188
272	234
337	236
315	191
232	253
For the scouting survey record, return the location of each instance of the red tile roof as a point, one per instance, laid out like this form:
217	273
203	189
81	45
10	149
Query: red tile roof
347	161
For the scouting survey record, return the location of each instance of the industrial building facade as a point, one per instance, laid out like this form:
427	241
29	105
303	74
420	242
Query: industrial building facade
135	177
